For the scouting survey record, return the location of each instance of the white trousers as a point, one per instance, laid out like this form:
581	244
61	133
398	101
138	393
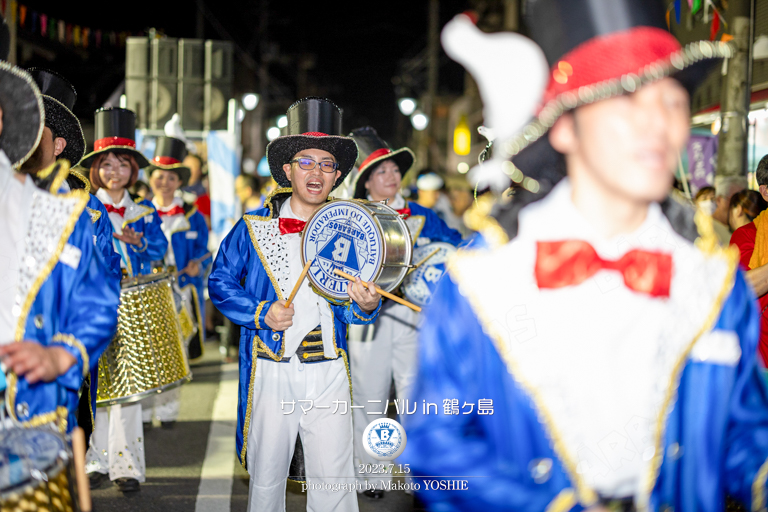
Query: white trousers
326	434
164	407
117	443
375	360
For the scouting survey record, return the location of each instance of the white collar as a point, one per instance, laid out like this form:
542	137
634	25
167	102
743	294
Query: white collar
556	218
398	203
177	201
105	198
286	211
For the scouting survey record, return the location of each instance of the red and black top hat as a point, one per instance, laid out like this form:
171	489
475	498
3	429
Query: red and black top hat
312	123
170	153
373	151
115	133
598	49
59	98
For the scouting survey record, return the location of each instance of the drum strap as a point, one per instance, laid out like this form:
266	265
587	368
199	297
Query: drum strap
310	349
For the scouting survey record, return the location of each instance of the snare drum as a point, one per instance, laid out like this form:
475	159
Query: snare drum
36	471
147	355
365	239
419	285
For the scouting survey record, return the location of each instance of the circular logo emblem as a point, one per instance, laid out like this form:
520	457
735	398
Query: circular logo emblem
384	439
341	235
419	285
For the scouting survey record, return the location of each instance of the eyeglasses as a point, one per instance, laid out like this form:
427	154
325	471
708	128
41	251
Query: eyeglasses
308	164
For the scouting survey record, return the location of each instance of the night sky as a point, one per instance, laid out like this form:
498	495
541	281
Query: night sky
357	44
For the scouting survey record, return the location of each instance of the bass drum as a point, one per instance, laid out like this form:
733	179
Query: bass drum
36	471
431	259
364	239
147	355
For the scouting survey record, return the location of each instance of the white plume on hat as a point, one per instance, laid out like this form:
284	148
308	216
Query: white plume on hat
511	73
173	129
429	181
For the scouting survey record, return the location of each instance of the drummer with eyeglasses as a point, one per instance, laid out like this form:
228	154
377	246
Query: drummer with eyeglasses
386	350
117	444
301	349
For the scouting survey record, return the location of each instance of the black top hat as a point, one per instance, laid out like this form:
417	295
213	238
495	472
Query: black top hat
115	133
23	113
312	123
599	49
169	156
59	98
373	151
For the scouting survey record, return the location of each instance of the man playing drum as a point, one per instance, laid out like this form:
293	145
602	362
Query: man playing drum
293	374
386	350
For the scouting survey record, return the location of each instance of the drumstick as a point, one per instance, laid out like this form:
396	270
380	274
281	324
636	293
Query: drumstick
184	271
381	292
423	260
83	487
298	283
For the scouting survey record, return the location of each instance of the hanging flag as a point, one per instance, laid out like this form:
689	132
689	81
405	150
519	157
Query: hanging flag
62	31
715	27
43	25
86	35
677	11
2	6
98	38
33	22
69	33
696	6
13	11
76	35
668	27
22	15
52	24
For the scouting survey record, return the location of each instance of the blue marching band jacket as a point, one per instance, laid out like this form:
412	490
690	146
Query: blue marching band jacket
189	239
710	438
103	238
243	285
63	299
142	217
426	226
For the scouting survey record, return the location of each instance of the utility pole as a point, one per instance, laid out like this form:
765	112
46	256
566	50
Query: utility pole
735	101
433	49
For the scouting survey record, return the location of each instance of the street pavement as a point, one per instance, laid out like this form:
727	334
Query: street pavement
193	467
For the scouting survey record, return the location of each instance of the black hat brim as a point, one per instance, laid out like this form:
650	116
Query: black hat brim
281	150
403	157
23	113
122	150
66	125
181	171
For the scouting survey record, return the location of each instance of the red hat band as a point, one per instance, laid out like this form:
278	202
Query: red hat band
315	134
609	58
108	142
373	156
165	160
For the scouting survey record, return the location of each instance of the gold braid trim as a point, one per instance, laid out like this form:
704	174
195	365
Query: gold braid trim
258	313
369	319
68	339
95	214
146	211
343	354
564	501
249	406
200	324
758	488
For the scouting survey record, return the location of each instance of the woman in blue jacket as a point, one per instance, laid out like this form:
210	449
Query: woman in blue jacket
187	232
117	447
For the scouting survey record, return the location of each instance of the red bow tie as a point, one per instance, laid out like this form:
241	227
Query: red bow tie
176	210
572	262
111	209
405	212
288	226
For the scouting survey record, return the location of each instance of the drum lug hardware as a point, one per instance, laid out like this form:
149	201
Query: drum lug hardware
276	337
38	475
22	409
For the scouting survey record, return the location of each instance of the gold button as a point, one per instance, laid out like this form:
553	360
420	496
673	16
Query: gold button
306	355
304	343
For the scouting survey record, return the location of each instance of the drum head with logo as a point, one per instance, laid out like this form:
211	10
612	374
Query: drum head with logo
341	235
419	285
28	454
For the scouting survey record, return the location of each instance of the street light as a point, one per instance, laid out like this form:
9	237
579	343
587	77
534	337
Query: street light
463	168
250	101
273	133
282	121
406	106
462	137
419	120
